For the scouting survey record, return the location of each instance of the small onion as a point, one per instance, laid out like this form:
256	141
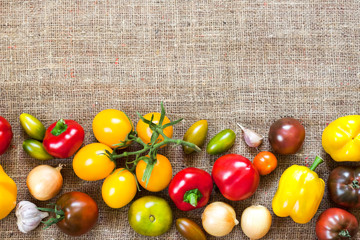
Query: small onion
218	219
44	182
256	221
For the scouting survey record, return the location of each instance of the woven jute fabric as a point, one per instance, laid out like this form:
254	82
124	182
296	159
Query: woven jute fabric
249	62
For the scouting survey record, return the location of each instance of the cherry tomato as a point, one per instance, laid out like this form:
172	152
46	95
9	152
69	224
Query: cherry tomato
32	126
91	164
119	188
150	216
6	135
189	229
111	126
36	149
235	176
221	142
160	176
286	135
80	213
144	131
265	162
196	134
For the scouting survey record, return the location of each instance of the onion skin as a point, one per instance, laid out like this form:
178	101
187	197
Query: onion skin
256	221
218	219
44	182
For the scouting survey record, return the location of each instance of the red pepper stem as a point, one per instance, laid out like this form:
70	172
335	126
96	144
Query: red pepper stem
316	163
59	128
192	196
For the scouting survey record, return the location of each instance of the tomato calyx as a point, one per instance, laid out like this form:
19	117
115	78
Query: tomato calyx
151	148
192	196
345	234
59	216
59	128
355	184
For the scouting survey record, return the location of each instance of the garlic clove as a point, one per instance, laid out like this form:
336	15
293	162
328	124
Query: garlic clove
251	138
28	216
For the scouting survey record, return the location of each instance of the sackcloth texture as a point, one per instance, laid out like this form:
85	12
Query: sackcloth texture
239	61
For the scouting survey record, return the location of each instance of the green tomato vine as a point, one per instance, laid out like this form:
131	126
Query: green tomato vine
149	151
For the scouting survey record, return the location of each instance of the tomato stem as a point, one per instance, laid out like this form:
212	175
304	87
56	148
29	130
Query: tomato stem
59	216
151	148
355	184
345	233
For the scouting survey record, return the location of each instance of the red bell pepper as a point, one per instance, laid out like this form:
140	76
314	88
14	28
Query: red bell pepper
6	135
63	138
190	188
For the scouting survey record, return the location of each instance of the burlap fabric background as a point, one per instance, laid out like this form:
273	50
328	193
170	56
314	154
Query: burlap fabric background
250	62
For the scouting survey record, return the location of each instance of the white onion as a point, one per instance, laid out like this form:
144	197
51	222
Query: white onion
218	219
256	221
44	182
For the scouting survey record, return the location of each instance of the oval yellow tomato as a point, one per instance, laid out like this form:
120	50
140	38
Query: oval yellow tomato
119	188
144	131
91	164
160	176
111	126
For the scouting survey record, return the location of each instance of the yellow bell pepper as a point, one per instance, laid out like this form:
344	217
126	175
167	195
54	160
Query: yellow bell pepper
299	193
8	194
341	139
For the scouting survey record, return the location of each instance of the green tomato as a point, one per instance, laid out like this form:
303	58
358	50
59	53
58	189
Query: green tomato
150	216
32	126
196	134
221	142
36	150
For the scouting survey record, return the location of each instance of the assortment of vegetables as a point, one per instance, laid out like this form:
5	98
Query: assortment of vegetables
299	193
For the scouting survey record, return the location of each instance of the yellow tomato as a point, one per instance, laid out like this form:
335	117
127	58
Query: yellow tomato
160	176
144	131
111	126
91	164
119	188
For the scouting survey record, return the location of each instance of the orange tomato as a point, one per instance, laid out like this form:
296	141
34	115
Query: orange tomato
144	131
160	176
91	164
265	162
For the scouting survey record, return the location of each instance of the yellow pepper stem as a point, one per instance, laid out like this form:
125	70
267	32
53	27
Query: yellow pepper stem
316	163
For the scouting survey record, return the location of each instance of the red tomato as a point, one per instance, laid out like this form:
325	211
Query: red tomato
336	223
235	176
80	213
265	162
6	135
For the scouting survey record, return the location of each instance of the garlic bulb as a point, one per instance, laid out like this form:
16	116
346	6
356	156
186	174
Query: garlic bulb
28	216
251	138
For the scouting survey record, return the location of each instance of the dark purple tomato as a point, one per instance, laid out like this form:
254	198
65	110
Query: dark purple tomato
286	135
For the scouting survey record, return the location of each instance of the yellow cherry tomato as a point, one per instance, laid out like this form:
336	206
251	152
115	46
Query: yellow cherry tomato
91	164
160	176
119	188
111	126
144	131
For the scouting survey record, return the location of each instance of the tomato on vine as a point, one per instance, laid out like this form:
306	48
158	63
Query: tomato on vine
91	164
160	177
144	131
111	127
